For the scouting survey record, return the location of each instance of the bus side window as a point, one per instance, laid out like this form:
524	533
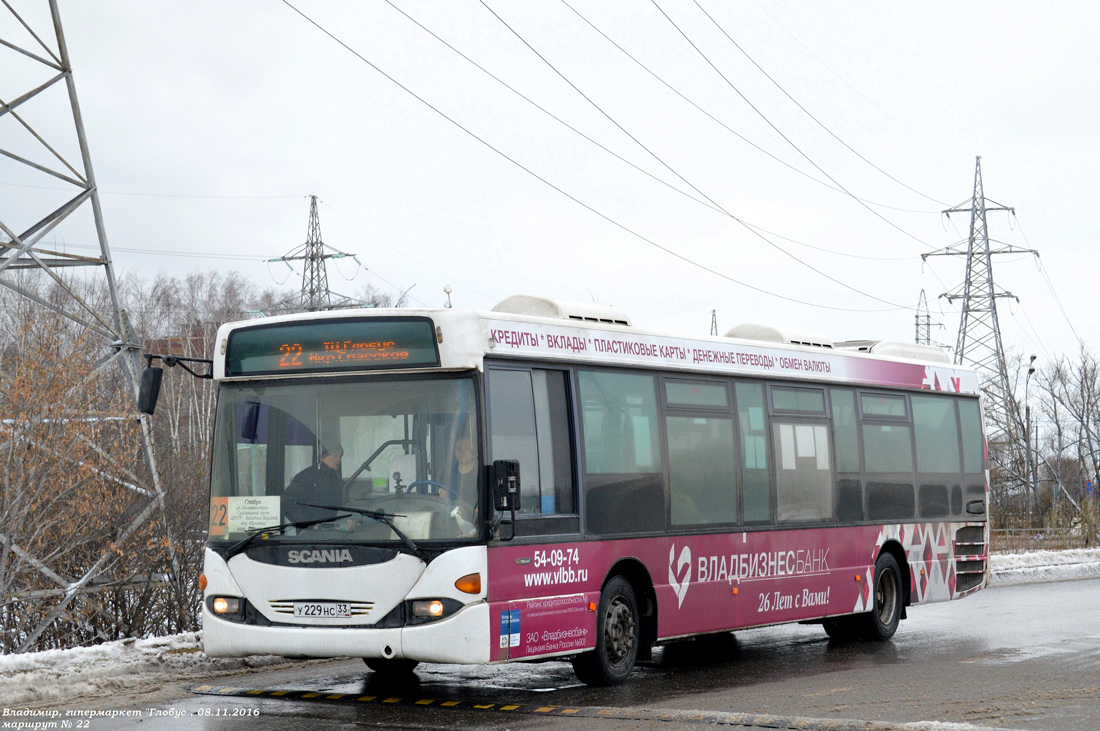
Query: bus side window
529	422
973	450
624	475
887	457
512	429
702	468
803	463
849	480
755	477
939	470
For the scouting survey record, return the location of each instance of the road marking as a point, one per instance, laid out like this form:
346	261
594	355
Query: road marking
695	717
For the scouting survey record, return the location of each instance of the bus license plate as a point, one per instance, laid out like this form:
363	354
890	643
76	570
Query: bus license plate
322	609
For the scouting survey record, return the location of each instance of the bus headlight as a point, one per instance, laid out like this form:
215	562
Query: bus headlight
432	608
428	610
226	605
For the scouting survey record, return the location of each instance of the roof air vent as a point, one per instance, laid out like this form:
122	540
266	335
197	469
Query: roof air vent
773	334
523	304
895	349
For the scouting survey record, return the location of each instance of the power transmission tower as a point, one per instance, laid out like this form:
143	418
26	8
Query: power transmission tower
315	294
924	324
714	322
47	156
979	340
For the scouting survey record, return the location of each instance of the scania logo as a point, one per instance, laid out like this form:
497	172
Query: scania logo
336	555
675	569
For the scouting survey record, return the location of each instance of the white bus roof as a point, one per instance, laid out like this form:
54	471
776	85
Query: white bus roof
557	330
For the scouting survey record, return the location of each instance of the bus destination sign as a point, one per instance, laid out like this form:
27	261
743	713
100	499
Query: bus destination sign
350	344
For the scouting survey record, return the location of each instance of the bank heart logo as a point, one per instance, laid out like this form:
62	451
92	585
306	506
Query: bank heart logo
675	569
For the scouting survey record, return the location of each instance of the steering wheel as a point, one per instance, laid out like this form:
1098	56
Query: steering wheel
424	484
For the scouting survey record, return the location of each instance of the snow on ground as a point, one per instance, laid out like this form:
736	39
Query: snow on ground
58	676
1036	566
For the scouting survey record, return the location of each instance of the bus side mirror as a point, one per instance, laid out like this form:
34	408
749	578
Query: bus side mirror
504	482
149	391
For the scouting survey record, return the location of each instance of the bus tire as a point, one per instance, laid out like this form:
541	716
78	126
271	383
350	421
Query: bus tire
618	635
882	622
391	666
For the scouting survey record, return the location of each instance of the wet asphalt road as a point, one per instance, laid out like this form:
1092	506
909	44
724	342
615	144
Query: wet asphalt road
1024	657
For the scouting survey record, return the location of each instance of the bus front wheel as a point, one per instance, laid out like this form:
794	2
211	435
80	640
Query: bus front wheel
618	635
882	622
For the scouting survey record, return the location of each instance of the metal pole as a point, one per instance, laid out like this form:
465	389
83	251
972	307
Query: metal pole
1030	456
1027	443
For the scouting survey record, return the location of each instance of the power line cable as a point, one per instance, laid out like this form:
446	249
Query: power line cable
798	104
781	134
668	167
602	147
827	66
157	252
597	107
414	261
543	180
160	195
722	124
1037	340
546	111
207	255
1046	278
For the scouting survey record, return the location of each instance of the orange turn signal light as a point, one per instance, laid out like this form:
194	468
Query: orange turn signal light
470	584
202	582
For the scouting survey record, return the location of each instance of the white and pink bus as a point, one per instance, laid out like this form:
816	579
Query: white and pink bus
546	480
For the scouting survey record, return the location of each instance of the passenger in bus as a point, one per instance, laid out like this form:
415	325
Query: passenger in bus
321	484
464	482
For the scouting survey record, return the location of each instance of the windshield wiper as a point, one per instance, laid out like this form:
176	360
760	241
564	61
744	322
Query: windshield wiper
241	544
381	517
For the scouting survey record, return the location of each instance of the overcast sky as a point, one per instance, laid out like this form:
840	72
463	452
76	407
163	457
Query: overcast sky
211	122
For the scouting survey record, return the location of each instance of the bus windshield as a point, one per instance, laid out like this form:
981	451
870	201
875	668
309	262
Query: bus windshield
404	450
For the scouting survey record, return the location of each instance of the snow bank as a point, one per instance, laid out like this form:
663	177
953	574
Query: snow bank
59	675
1037	566
62	675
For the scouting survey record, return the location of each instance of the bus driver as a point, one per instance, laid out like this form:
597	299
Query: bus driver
321	484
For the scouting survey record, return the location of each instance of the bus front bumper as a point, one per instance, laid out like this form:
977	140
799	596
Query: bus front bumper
461	638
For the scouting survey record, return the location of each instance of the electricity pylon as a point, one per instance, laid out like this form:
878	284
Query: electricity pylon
924	324
41	158
979	340
315	294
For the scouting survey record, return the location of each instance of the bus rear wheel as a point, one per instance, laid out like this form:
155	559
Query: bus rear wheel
618	635
882	622
391	666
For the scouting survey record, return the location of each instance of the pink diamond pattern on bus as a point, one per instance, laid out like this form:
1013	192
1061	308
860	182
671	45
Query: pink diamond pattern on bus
928	552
